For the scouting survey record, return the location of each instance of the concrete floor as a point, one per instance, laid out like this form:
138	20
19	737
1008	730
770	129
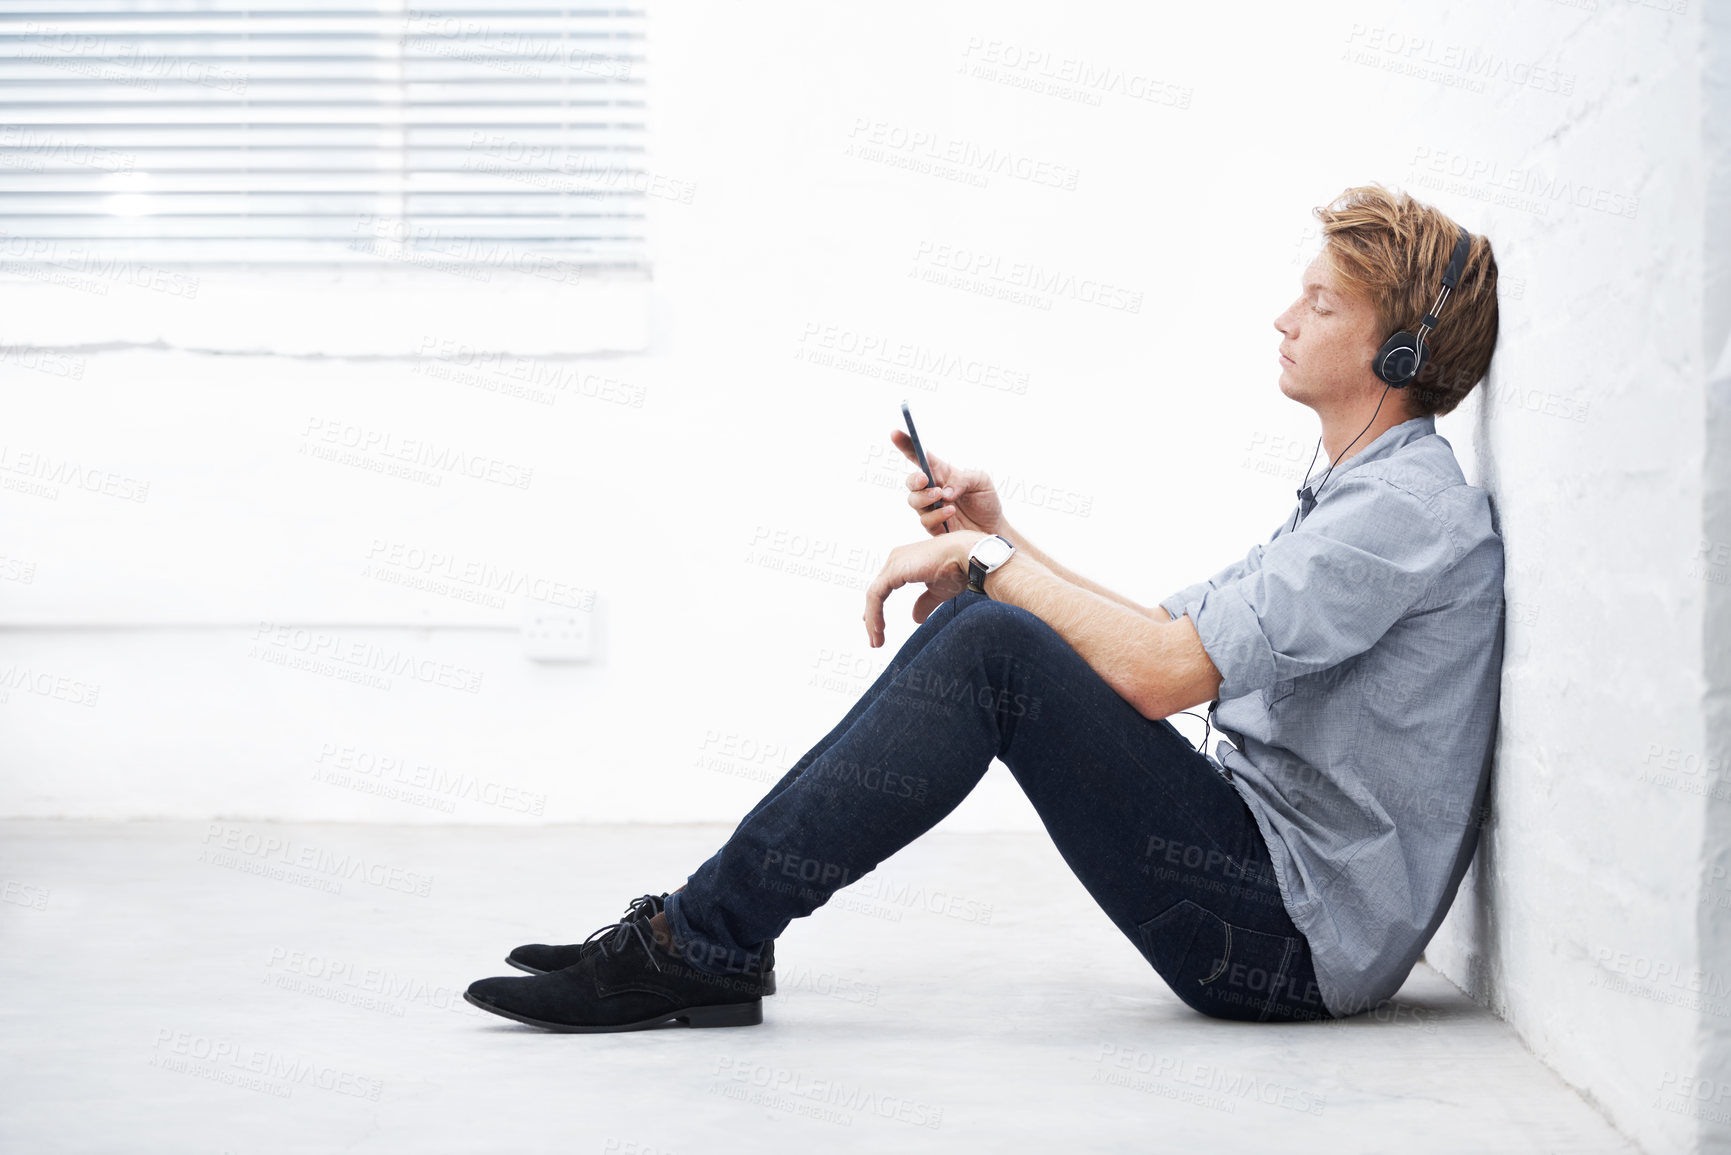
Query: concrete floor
195	987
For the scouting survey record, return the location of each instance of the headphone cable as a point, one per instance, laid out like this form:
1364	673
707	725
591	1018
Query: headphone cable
1336	461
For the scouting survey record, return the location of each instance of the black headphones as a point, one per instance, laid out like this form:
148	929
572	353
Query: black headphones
1402	355
1396	365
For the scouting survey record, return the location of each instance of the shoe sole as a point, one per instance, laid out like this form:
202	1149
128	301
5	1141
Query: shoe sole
768	985
723	1015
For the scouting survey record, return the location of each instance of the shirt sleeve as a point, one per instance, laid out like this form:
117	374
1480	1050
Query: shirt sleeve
1327	591
1185	601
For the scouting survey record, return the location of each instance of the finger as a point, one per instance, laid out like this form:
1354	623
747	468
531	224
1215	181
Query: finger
921	495
903	442
921	499
933	519
918	480
926	603
876	592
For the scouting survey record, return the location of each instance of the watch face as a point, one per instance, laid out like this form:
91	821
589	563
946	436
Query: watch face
993	551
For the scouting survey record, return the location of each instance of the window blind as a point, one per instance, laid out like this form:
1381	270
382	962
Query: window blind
216	132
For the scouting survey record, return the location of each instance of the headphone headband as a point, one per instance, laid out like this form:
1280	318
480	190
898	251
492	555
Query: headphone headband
1458	260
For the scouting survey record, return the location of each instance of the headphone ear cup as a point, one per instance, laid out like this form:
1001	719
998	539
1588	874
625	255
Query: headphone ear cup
1398	360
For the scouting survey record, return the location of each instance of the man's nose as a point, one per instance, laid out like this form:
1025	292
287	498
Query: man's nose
1292	318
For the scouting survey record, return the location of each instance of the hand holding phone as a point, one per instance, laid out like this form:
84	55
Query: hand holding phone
972	503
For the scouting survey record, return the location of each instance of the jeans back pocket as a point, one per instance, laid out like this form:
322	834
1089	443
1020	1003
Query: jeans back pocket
1217	967
1186	943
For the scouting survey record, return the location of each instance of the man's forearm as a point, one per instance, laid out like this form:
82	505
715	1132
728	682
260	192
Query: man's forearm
1157	664
1023	545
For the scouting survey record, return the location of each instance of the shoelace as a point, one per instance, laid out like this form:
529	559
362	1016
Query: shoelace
633	921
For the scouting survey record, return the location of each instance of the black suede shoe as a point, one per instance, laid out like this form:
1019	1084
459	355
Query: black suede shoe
626	983
539	958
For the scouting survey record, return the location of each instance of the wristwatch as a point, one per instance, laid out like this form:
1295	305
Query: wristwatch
988	554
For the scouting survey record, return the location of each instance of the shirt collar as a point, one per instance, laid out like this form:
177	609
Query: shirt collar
1390	440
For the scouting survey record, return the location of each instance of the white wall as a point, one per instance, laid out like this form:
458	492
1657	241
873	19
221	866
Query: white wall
1579	921
1148	448
1714	1068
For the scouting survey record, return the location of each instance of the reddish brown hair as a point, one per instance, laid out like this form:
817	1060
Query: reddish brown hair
1391	250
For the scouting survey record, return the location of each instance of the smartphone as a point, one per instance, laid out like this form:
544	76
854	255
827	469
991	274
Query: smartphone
920	452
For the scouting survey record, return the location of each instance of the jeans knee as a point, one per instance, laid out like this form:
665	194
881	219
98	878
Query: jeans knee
999	621
966	600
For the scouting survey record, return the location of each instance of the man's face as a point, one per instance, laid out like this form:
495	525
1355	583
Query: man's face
1329	339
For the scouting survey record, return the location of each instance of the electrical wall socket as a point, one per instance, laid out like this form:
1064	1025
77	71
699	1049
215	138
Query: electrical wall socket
557	633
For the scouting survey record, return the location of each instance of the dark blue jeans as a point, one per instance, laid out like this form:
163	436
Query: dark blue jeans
1161	841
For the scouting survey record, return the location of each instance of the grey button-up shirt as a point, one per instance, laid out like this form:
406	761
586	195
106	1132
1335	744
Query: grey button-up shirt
1360	658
